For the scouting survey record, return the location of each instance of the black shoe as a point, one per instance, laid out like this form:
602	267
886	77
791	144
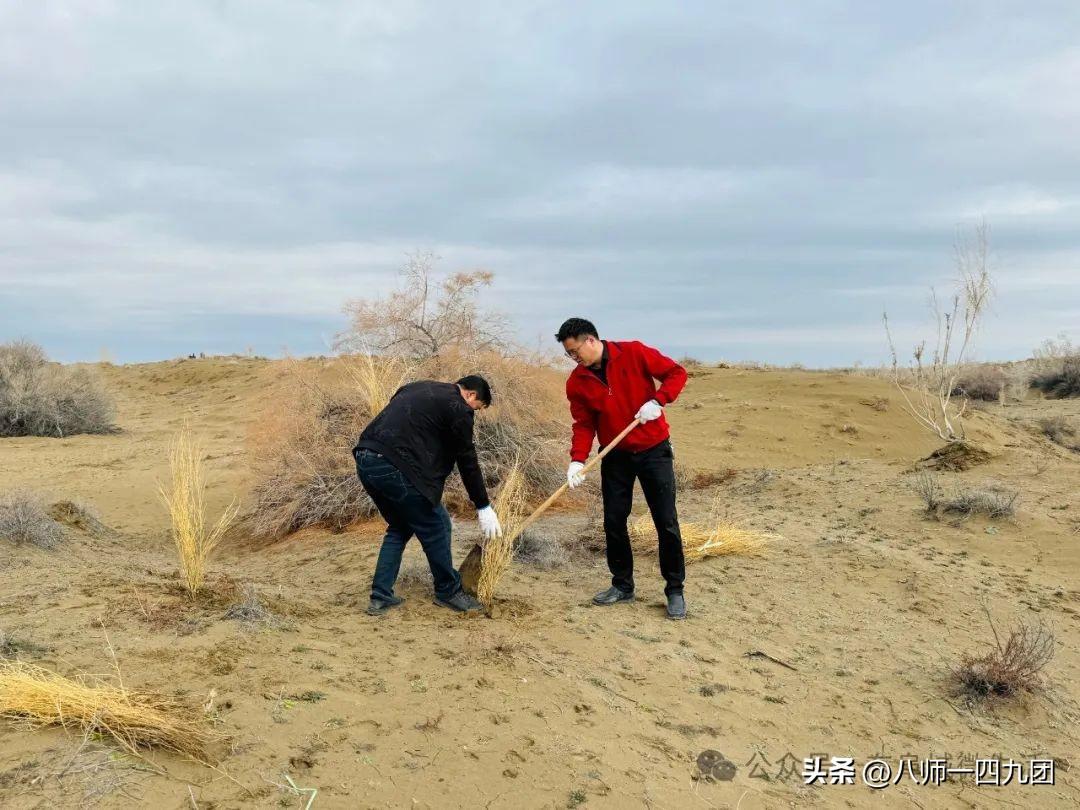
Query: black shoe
676	606
461	602
379	606
611	596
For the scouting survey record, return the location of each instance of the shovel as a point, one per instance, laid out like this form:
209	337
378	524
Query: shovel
470	567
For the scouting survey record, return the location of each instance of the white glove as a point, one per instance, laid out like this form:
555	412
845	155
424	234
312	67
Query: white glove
574	476
649	411
490	527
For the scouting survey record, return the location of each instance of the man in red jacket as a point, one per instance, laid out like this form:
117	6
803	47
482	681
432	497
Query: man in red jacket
613	384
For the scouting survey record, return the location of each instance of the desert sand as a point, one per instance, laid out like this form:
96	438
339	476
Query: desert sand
858	609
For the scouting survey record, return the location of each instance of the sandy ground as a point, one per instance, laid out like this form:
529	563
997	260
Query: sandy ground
556	703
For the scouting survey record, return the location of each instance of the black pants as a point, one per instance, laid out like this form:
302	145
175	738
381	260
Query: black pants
655	469
406	513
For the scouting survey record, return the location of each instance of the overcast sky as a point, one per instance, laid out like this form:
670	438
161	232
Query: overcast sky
729	180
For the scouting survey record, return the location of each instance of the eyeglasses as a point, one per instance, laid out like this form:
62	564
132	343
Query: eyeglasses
573	353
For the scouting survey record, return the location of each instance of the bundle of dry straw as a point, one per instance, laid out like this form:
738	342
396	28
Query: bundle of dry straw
717	537
185	501
512	507
44	698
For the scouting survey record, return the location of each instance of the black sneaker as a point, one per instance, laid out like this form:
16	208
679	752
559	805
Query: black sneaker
461	602
676	606
611	596
378	606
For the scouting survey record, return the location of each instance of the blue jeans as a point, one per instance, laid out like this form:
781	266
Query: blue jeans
406	513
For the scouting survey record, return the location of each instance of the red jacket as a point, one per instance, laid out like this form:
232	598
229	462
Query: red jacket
604	410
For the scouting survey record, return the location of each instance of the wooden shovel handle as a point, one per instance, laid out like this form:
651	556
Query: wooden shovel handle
588	466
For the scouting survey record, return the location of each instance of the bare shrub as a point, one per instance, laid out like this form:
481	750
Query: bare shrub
251	610
1060	430
301	448
929	384
300	451
1062	381
414	571
541	549
1009	668
994	503
425	316
24	520
982	382
39	398
926	487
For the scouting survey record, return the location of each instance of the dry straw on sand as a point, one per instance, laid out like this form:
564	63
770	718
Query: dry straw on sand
185	501
718	536
512	507
43	698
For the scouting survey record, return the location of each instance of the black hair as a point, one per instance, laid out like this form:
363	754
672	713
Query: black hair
576	328
478	385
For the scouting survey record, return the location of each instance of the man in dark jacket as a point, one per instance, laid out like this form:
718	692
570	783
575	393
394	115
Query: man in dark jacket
613	384
403	458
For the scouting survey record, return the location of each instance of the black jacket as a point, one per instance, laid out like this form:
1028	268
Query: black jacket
424	429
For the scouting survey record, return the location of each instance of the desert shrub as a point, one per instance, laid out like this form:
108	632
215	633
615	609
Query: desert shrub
981	382
250	609
926	487
927	387
39	398
993	502
1061	380
301	448
1009	668
184	499
541	549
1060	430
24	520
414	571
425	316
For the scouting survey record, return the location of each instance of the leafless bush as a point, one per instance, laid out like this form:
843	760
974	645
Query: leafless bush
414	571
251	610
1008	668
926	487
24	520
540	549
993	503
927	389
301	448
426	316
38	398
981	382
1061	381
1060	430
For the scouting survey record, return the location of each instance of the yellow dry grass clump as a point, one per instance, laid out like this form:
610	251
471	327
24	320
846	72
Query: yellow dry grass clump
377	380
512	507
134	720
187	509
718	536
